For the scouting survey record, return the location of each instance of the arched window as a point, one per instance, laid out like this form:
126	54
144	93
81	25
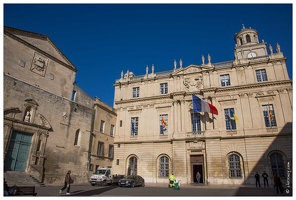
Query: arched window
76	137
248	38
234	166
164	166
277	164
132	166
241	41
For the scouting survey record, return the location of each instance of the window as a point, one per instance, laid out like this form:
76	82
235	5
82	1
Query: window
261	75
195	121
112	130
163	120
102	126
120	123
230	119
277	164
73	95
76	137
248	38
225	80
136	92
111	151
132	167
163	88
269	117
164	166
134	126
100	149
117	161
234	166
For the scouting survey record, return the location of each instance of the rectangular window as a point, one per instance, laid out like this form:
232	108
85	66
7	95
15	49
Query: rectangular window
100	149
163	123
73	95
112	130
111	151
261	75
269	117
225	80
136	92
229	119
102	126
163	88
120	123
117	161
134	126
195	121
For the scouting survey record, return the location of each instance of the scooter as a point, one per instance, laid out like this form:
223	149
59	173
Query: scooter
177	185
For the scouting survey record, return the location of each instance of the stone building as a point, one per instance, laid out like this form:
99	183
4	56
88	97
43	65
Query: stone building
157	132
50	124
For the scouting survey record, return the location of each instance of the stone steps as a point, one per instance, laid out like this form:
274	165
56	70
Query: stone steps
21	178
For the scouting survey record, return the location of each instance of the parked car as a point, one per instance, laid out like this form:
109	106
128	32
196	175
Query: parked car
131	181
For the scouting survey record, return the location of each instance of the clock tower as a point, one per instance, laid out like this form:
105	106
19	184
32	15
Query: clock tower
248	45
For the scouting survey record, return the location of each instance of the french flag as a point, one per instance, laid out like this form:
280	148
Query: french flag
200	105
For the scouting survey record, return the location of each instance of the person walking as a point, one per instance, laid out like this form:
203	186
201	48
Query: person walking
265	180
278	184
67	182
257	177
198	177
172	179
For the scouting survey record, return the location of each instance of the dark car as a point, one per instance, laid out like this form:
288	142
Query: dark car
131	181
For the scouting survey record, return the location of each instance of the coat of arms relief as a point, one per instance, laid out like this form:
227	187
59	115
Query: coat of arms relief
39	64
193	83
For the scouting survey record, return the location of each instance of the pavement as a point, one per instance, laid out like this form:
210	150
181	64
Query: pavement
53	190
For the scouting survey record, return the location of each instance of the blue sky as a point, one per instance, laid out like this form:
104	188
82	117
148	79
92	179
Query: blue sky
101	40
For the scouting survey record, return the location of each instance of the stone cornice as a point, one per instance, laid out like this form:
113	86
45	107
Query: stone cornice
202	91
12	120
164	96
43	37
248	86
227	137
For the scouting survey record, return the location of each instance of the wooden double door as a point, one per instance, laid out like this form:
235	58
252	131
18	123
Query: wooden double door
18	151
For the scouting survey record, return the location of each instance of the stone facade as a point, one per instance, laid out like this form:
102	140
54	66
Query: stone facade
50	124
157	132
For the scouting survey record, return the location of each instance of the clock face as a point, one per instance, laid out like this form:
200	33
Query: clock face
251	55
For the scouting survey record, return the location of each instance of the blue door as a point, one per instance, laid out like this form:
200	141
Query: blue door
18	151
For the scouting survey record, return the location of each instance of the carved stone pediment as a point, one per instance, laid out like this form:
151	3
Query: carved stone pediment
44	121
11	110
31	102
188	70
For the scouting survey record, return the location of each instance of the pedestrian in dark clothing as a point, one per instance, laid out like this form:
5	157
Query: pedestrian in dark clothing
198	177
265	180
257	177
278	184
68	180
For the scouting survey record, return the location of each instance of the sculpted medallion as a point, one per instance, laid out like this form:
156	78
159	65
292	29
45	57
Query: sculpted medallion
193	83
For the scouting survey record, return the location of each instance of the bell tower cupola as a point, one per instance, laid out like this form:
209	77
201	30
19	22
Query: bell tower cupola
248	45
246	36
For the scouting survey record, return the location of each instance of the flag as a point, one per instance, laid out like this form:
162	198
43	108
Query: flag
232	115
133	125
270	112
200	105
163	124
